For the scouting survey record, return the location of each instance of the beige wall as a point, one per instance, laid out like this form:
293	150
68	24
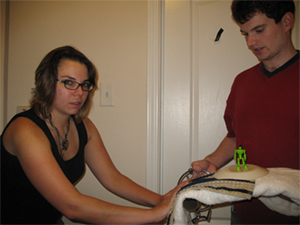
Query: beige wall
113	35
2	61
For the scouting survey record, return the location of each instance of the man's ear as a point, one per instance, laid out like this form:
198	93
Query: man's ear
288	21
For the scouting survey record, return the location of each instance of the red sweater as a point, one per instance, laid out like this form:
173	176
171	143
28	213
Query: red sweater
263	114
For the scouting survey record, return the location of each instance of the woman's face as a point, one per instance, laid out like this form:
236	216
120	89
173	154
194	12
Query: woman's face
66	101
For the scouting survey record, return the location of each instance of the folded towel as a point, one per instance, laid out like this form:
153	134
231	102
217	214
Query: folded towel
279	190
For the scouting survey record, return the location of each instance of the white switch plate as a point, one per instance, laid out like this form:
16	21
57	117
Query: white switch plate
107	97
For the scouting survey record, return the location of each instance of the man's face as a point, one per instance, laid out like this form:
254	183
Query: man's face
264	37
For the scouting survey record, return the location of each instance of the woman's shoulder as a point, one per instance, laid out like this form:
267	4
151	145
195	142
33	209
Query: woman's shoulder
23	124
88	123
90	127
21	131
27	121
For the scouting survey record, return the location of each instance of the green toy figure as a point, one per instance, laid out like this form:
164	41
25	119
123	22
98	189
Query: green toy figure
240	153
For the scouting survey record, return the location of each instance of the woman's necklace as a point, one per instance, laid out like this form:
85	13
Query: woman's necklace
62	142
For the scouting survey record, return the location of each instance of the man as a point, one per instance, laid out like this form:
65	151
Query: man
262	112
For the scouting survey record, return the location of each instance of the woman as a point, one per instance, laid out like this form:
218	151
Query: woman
44	151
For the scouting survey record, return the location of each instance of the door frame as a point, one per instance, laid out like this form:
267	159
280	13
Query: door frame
154	95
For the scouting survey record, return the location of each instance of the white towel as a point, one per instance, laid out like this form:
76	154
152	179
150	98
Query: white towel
279	190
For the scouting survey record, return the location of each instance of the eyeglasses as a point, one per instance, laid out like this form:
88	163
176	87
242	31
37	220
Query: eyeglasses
73	85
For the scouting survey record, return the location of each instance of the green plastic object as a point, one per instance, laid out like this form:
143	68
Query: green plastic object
241	153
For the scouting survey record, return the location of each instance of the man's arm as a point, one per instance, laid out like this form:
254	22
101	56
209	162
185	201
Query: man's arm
218	158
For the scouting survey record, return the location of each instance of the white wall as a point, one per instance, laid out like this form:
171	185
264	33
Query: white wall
113	35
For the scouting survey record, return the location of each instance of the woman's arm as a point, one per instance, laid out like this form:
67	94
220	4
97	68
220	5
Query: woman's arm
103	168
31	146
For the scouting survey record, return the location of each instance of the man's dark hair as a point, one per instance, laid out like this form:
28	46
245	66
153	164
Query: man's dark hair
244	10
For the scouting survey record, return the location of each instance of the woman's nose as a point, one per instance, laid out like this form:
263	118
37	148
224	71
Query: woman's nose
79	90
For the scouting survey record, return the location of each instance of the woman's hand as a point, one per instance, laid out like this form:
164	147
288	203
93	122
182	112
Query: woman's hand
162	209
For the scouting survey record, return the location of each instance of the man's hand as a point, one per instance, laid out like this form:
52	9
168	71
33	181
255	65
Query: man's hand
201	165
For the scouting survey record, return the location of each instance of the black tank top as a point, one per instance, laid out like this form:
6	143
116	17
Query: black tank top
21	203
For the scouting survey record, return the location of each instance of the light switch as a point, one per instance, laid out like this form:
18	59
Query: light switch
107	94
